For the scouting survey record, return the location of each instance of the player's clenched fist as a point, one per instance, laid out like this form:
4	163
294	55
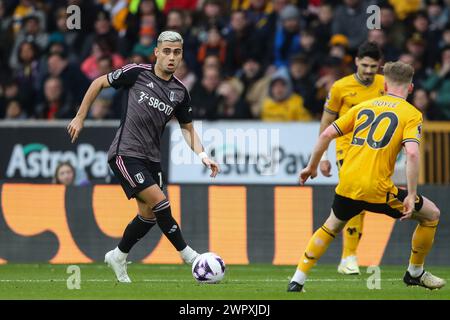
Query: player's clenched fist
306	173
408	207
74	128
325	167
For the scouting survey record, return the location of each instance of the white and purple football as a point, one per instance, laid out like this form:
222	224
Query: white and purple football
208	268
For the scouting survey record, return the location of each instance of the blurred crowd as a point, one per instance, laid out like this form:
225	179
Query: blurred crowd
273	60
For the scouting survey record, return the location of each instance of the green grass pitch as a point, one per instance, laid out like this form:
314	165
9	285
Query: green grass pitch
175	282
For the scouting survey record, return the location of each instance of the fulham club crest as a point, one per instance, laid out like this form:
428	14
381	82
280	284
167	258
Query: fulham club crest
172	95
139	177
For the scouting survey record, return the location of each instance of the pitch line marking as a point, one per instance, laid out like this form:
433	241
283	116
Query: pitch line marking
186	280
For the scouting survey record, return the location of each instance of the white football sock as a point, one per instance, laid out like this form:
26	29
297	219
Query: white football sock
119	255
188	254
299	277
415	270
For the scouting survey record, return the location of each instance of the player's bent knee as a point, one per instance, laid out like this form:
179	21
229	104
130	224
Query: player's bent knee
161	208
147	212
436	213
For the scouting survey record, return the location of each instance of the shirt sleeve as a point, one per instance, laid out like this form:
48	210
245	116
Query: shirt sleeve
183	112
333	102
125	76
345	124
413	129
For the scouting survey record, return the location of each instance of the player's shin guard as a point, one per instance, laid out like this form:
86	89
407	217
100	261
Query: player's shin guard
351	235
422	241
316	247
136	229
168	225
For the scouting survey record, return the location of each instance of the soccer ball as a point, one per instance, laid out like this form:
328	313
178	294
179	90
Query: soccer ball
208	268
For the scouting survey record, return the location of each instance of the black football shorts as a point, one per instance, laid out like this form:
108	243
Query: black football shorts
136	174
345	208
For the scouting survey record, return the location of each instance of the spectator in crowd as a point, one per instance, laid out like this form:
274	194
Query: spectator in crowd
100	48
70	38
394	30
445	39
6	39
57	44
105	65
255	84
421	28
55	105
439	85
31	32
147	15
416	46
138	57
212	14
107	95
66	175
248	40
10	92
23	10
185	75
181	22
101	109
212	61
350	20
14	110
309	49
282	104
188	5
147	42
204	96
256	11
265	18
321	26
214	45
287	36
403	8
74	82
303	83
329	72
421	100
231	106
419	71
27	74
274	18
102	29
240	41
118	10
338	51
390	53
437	16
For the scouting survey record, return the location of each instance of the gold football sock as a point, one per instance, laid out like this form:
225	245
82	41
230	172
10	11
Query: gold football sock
316	247
422	241
351	235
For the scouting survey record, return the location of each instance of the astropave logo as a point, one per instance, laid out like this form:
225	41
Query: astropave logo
155	103
36	160
236	162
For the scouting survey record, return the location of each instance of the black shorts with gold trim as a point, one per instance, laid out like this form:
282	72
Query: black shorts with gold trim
345	208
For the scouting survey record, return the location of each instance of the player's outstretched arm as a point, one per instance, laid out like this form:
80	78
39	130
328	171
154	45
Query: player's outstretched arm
75	126
325	164
324	140
412	177
192	139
